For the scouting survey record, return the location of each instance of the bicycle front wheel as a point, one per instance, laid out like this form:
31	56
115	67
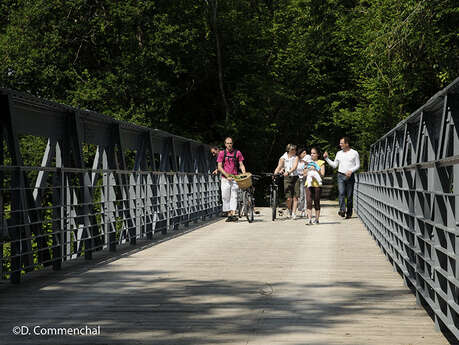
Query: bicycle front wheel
240	204
274	203
249	208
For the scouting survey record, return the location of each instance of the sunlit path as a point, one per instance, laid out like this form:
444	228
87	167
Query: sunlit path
262	283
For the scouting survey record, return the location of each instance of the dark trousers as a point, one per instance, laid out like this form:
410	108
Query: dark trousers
346	191
313	194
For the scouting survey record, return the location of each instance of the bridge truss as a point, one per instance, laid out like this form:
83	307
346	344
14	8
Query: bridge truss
409	202
74	182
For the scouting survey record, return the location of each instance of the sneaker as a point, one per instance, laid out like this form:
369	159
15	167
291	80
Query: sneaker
316	221
293	216
342	213
309	222
348	216
232	218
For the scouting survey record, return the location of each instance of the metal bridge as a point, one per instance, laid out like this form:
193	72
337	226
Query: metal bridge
101	183
105	203
409	201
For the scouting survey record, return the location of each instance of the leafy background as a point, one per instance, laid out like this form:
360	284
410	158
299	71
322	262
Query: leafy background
265	72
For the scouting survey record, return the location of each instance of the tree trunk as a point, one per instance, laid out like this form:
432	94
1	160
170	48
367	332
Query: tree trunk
214	5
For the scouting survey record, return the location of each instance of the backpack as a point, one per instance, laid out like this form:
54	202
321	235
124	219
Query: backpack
235	158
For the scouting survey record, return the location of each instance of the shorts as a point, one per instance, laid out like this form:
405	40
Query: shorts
290	189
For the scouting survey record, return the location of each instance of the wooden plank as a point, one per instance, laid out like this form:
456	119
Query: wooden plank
235	283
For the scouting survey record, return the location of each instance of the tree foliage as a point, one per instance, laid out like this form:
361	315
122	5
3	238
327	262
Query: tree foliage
302	71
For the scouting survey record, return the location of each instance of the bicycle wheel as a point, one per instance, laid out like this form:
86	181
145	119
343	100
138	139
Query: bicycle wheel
274	203
249	207
240	204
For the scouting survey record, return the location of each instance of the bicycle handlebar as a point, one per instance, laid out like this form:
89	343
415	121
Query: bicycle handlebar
271	174
256	177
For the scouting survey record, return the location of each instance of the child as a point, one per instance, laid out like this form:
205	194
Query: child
313	173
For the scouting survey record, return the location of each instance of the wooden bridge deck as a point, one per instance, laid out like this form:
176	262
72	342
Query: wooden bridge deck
230	283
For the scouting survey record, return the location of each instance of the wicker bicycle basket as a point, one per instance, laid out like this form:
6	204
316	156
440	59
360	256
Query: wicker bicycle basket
244	181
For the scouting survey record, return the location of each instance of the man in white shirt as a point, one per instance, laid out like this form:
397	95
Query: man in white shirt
348	162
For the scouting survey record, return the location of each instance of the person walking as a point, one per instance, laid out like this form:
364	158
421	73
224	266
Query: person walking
215	150
348	162
229	161
288	163
303	159
313	188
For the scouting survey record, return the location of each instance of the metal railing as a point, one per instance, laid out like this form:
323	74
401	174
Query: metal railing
124	206
409	202
142	181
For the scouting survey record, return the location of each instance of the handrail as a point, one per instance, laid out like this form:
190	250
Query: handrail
408	202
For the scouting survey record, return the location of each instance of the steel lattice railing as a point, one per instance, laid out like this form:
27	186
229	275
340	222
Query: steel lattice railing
101	182
409	202
124	206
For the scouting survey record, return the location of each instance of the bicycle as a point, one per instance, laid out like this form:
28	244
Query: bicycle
274	194
246	201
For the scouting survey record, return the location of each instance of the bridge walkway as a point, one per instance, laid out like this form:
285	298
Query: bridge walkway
231	283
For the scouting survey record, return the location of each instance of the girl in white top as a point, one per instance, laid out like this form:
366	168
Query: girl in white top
303	160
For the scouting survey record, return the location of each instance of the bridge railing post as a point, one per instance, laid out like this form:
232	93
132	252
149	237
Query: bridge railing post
58	218
168	200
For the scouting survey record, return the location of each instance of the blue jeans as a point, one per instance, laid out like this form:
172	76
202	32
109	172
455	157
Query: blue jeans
346	191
